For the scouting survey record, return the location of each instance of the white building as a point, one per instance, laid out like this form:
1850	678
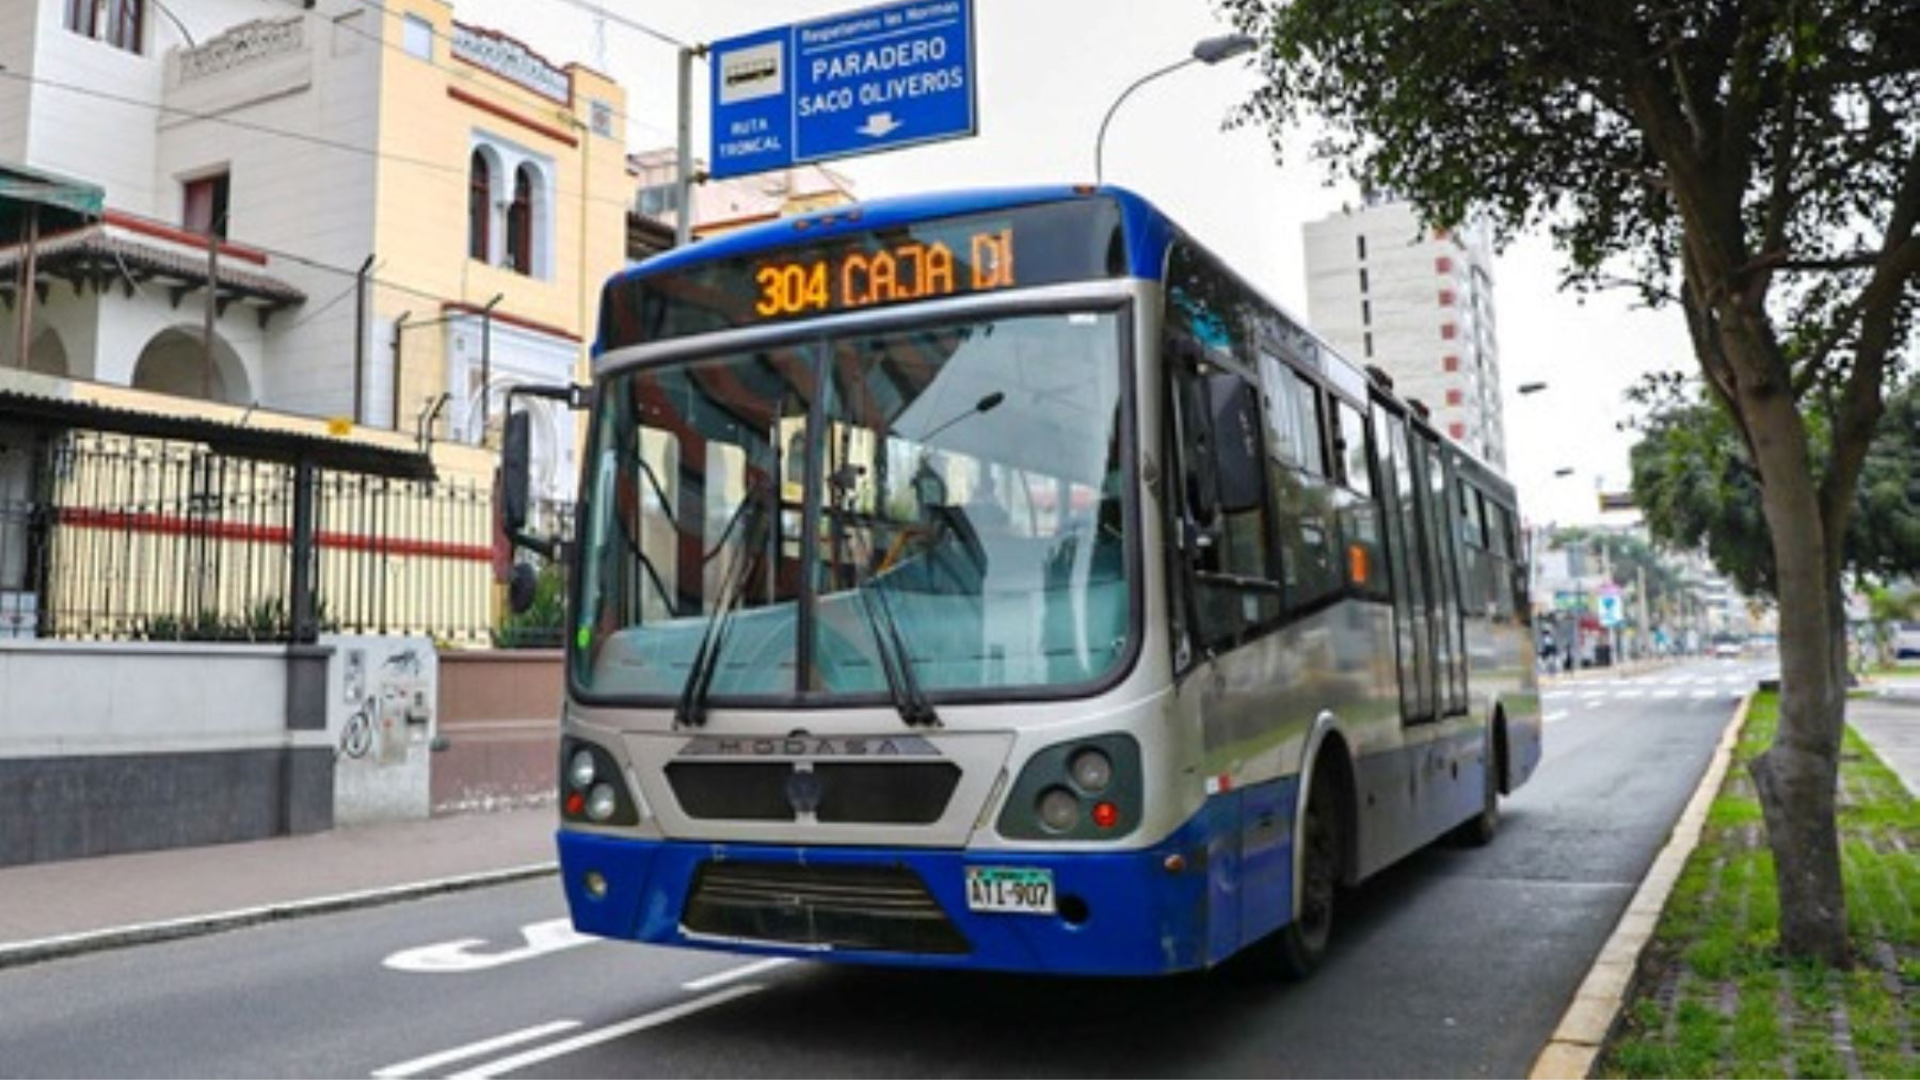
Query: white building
1419	304
480	188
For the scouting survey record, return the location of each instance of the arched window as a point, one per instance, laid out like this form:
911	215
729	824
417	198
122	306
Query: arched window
479	206
520	222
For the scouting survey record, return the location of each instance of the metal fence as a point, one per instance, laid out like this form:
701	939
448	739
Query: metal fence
141	539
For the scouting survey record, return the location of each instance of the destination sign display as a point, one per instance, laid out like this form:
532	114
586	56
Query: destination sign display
1042	244
908	270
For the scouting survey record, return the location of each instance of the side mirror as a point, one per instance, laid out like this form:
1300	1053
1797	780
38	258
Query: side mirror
522	584
1239	447
515	471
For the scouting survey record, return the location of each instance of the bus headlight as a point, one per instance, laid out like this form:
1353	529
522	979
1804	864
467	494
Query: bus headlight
1059	809
1091	770
592	790
1086	789
580	770
601	802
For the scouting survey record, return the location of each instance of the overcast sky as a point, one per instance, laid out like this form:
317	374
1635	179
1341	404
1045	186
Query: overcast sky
1047	73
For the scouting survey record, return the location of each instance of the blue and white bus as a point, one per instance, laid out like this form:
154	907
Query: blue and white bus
996	581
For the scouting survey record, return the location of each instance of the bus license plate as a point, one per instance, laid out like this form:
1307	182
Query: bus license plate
1019	889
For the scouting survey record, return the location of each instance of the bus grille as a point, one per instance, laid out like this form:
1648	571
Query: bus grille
891	793
876	908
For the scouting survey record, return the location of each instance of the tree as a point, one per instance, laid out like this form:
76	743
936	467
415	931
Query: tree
1757	163
1698	490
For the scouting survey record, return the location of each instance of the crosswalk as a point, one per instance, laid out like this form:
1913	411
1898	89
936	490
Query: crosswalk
1560	702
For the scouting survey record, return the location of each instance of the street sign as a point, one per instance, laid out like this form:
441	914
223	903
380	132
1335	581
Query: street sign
1612	612
856	83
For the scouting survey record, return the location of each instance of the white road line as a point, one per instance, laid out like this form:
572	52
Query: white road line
1633	693
702	985
1552	716
484	1046
1666	693
1591	694
1701	694
606	1034
1595	704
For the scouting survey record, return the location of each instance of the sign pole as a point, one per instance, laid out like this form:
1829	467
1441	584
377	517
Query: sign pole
683	173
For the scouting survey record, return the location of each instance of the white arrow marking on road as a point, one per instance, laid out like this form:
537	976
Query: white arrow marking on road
879	124
458	957
484	1046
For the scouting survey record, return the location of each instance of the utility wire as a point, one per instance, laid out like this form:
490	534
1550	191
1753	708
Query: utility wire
459	171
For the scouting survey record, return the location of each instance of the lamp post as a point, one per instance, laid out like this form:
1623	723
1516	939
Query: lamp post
1207	51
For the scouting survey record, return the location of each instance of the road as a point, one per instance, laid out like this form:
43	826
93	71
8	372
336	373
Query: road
1456	963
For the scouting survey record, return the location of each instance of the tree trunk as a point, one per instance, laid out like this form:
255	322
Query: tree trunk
1796	775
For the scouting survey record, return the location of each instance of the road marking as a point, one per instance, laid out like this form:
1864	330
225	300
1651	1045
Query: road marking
1591	694
1701	694
1595	704
484	1046
1552	716
1632	693
1666	693
606	1034
736	974
458	957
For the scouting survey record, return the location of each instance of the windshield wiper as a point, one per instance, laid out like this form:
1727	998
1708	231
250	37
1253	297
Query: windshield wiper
896	664
750	516
895	661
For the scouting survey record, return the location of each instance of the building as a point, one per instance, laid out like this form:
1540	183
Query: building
401	215
722	205
1418	303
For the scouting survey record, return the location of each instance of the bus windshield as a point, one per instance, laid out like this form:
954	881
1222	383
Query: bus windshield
951	492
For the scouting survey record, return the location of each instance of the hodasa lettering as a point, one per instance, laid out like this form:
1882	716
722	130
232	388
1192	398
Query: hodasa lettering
810	746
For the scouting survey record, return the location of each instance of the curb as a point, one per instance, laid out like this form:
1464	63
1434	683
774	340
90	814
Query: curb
16	954
1574	1049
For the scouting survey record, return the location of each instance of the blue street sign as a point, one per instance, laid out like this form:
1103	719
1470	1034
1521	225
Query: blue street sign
857	83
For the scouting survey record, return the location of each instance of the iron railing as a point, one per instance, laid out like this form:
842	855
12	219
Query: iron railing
142	539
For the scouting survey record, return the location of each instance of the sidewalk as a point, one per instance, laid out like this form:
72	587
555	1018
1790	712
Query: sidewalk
1891	725
59	908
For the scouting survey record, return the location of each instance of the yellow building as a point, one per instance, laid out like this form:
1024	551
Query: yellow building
502	180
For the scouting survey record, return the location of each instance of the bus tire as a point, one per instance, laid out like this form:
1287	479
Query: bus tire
1479	830
1297	948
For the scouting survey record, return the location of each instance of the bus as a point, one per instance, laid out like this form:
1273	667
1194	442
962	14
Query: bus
996	581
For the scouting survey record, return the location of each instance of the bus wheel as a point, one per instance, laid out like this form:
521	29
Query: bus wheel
1478	830
1298	947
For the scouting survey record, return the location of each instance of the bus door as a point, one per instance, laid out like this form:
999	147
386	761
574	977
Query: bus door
1448	634
1400	497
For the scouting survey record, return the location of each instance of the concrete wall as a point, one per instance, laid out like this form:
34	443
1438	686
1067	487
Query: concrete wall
108	747
500	716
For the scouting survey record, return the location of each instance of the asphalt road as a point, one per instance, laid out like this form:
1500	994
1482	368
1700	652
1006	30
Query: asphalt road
1456	963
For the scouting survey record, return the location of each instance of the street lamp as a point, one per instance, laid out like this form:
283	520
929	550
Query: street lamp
1207	51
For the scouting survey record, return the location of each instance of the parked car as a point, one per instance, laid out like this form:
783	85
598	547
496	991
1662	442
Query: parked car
1906	640
1728	646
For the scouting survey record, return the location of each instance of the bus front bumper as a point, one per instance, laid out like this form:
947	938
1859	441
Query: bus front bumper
1141	912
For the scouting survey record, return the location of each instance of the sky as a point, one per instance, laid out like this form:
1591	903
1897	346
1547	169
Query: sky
1047	70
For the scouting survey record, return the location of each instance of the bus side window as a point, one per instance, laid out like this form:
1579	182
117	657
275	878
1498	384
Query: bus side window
1310	567
1223	505
1500	536
1365	563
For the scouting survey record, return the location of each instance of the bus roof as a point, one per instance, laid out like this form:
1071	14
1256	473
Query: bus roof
1146	228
